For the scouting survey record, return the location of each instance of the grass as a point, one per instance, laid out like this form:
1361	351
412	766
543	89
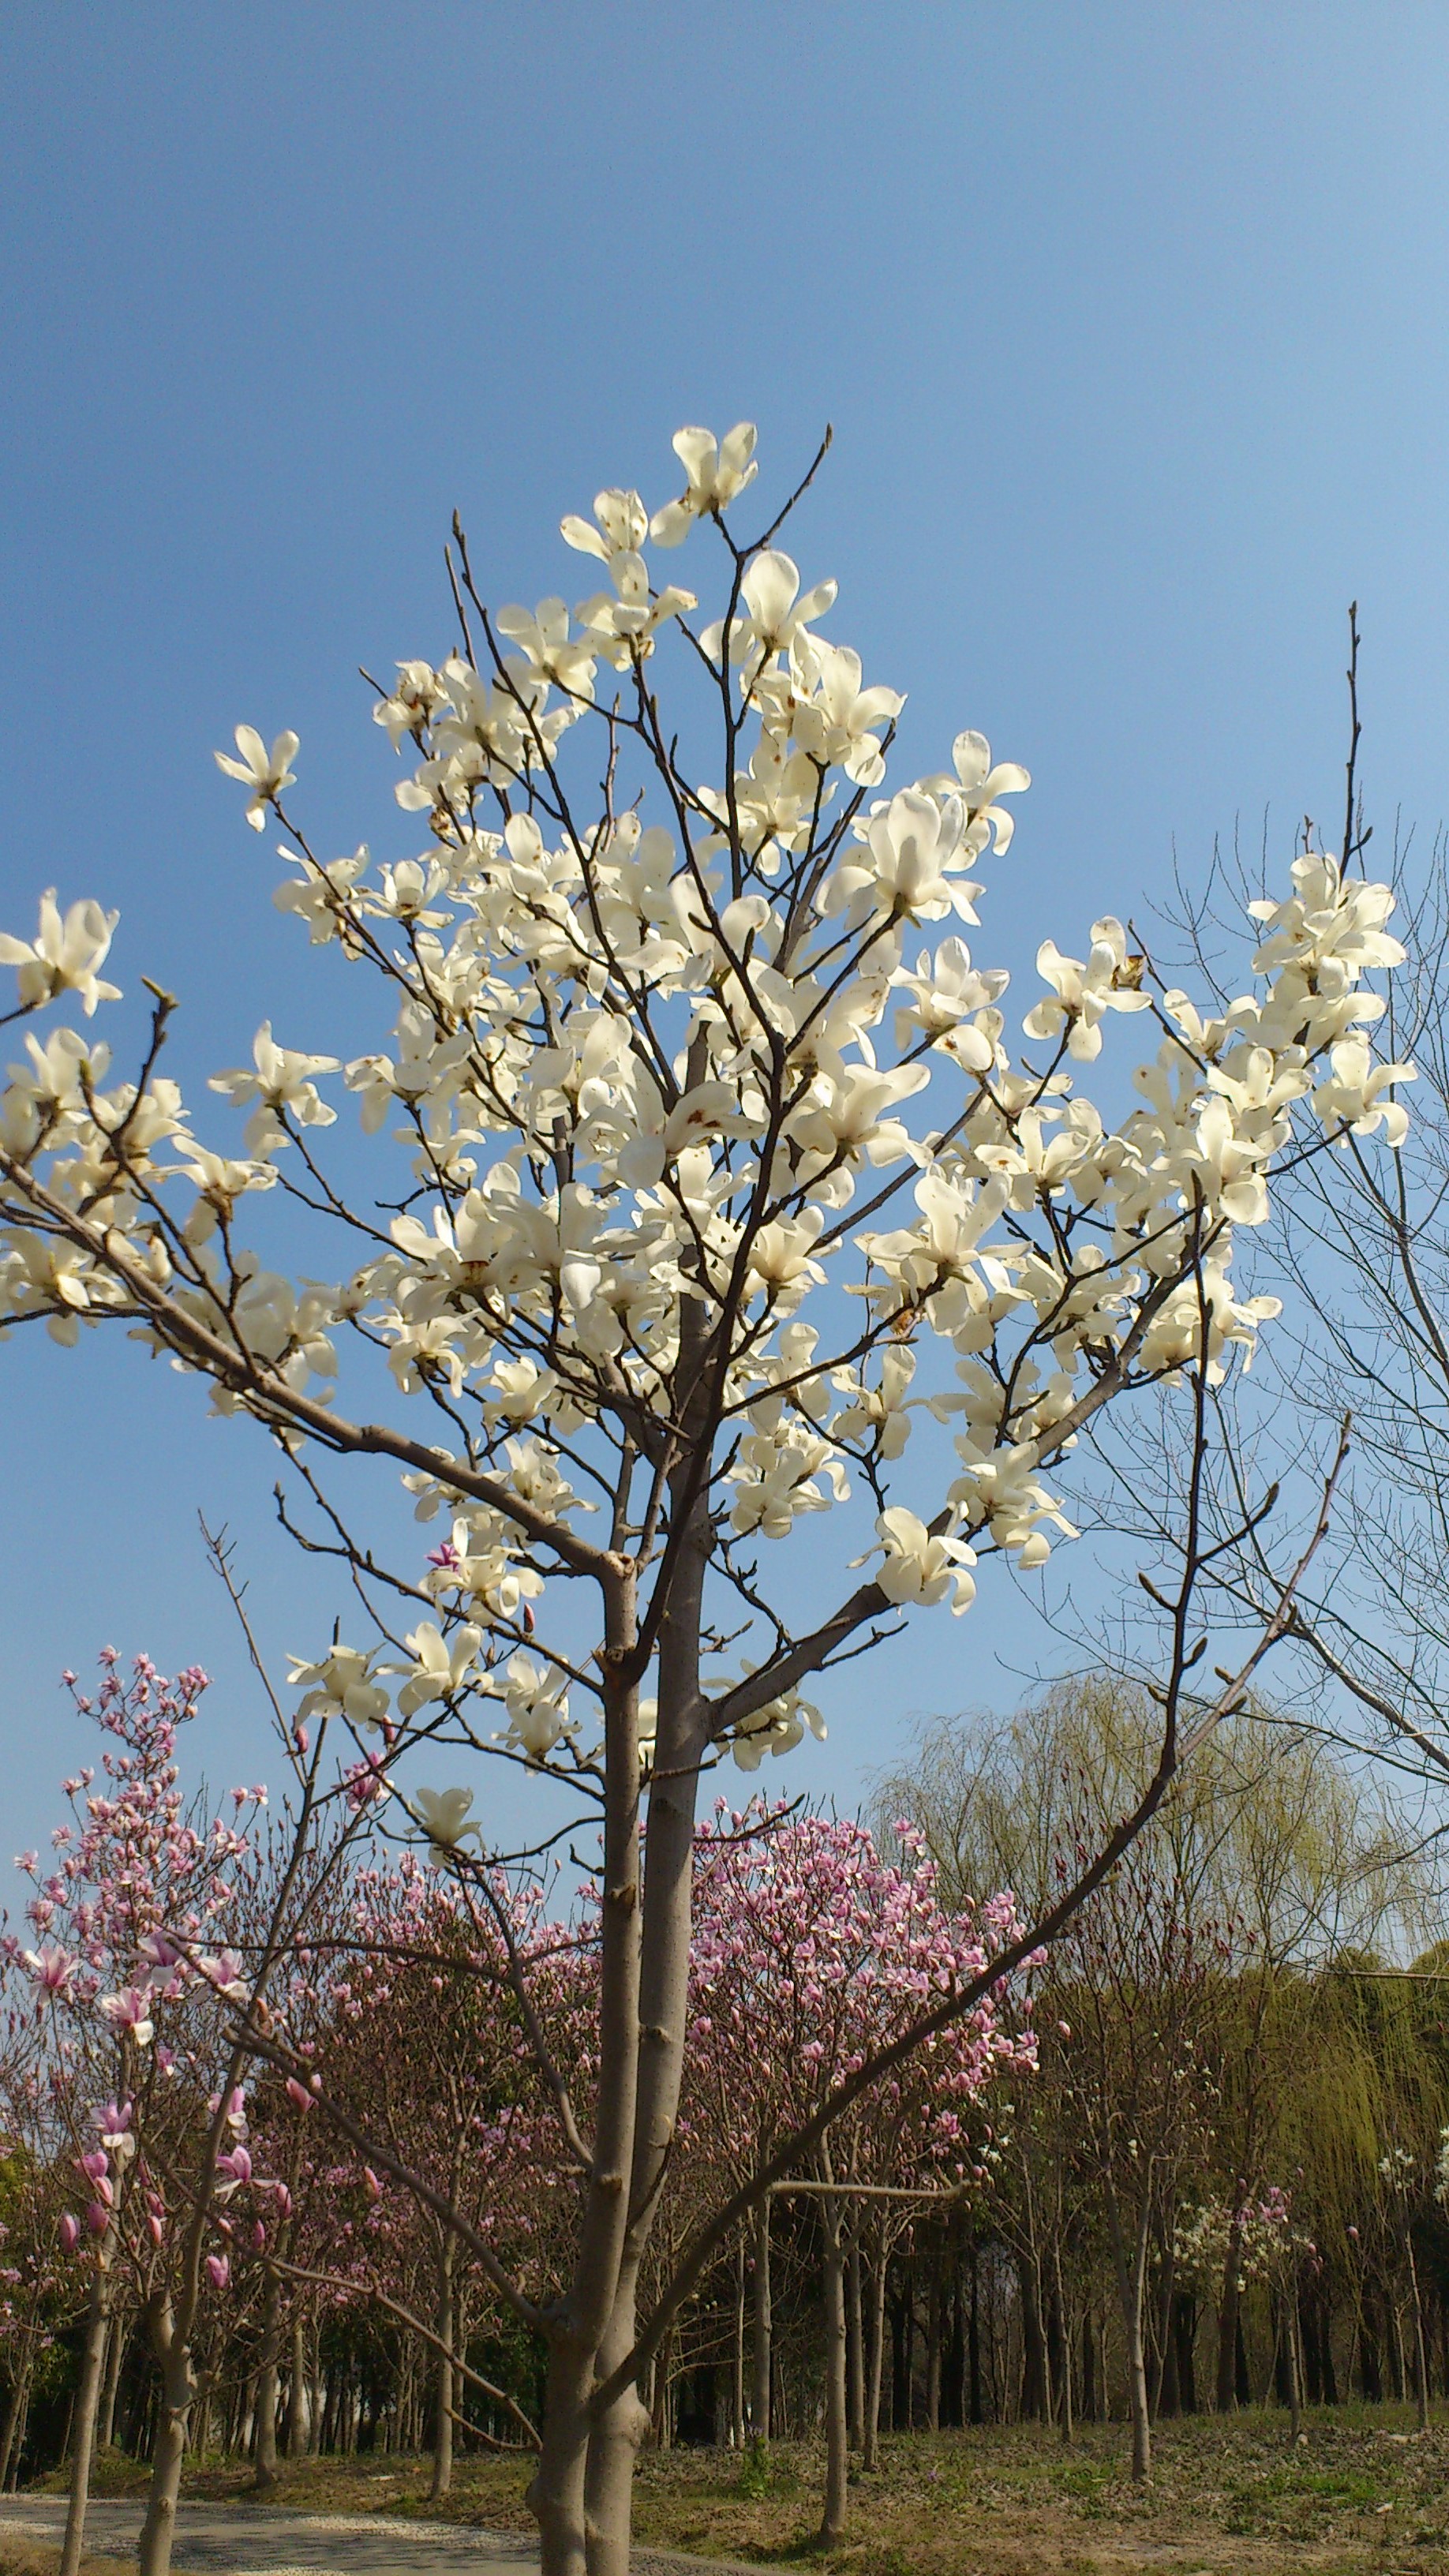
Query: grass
1362	2494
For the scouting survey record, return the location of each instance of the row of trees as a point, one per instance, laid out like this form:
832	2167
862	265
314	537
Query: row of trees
221	2226
1225	2176
1200	2163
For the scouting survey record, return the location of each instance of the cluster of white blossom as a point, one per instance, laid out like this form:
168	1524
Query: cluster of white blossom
662	1072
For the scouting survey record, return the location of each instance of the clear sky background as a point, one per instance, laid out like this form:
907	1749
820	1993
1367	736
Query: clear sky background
1131	323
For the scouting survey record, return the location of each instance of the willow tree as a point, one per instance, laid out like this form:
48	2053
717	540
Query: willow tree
708	1194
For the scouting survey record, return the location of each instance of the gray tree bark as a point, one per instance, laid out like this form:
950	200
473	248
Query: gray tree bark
172	2344
763	2328
87	2406
837	2455
447	2318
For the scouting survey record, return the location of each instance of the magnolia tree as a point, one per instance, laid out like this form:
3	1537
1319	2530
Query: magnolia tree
431	2059
709	1193
811	1954
156	1933
140	1899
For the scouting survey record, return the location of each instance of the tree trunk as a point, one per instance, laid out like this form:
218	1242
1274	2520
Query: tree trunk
115	2355
832	2521
557	2492
87	2405
18	2453
1064	2341
615	2441
178	2391
871	2448
737	2427
1130	2266
1421	2356
760	2390
1035	2369
15	2407
443	2425
650	1936
855	2346
299	2407
1295	2365
975	2409
314	2394
1225	2396
1163	2338
265	2477
933	2341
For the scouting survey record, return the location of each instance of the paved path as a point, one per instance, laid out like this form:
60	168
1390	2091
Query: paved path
267	2540
263	2540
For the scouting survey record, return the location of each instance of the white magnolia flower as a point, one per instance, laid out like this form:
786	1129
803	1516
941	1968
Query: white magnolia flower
414	702
775	1729
441	1812
838	723
1081	995
1352	1098
715	474
775	612
279	1079
537	1702
979	784
323	896
1001	1488
543	640
265	772
914	843
341	1684
920	1567
623	525
440	1666
64	955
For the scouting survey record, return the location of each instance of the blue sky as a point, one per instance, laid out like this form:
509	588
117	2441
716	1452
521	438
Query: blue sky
1131	324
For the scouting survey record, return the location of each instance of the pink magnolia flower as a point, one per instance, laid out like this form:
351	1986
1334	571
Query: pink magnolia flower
113	2120
69	2231
225	1973
130	2010
219	2270
235	2168
51	1967
98	2218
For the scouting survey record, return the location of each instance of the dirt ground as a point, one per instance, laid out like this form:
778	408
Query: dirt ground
1362	2490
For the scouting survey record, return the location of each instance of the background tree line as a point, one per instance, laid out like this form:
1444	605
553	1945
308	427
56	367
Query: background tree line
1202	2167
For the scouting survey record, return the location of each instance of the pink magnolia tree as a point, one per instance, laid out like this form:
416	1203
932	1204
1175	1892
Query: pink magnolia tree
40	2293
154	1938
813	1954
430	2058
